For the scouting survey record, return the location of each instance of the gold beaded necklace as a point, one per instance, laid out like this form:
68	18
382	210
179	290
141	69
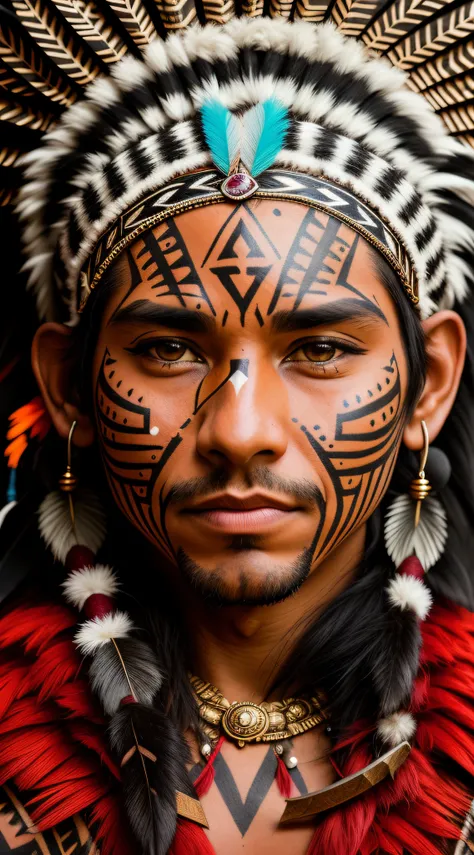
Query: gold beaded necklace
245	722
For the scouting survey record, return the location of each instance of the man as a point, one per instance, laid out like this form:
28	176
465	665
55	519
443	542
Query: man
264	353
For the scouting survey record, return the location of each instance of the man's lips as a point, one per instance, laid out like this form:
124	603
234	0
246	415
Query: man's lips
241	514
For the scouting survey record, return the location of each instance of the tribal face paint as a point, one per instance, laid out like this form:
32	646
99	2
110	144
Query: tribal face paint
250	380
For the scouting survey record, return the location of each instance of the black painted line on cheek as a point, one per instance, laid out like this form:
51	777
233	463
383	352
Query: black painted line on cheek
384	474
117	482
324	457
163	508
128	489
361	492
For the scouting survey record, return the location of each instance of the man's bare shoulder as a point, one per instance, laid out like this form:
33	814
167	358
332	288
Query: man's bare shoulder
18	835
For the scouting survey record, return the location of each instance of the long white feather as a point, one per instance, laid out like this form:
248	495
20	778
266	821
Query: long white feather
252	128
234	126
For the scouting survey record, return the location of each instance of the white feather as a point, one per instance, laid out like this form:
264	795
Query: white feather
82	584
397	727
253	123
408	592
427	540
99	631
234	134
103	91
56	527
130	72
177	107
5	511
157	56
209	44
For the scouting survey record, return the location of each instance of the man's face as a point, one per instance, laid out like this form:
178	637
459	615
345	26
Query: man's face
250	380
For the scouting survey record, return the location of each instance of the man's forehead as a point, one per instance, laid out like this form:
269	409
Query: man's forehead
249	261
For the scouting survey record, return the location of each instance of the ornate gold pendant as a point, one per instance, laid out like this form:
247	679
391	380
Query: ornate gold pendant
245	722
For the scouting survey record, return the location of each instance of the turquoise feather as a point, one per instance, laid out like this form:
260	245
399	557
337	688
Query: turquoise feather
265	127
257	137
222	133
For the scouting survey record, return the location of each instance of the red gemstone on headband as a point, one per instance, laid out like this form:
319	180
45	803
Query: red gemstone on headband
239	186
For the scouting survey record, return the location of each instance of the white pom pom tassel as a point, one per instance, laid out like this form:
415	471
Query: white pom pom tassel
408	592
396	728
94	633
82	584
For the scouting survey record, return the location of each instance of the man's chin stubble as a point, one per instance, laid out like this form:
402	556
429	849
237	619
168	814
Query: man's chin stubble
266	590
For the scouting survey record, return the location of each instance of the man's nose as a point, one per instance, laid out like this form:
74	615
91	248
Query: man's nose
245	416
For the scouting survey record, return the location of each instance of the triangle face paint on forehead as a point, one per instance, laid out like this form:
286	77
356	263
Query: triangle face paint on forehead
248	262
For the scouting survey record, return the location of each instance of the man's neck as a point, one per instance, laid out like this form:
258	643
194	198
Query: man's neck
240	649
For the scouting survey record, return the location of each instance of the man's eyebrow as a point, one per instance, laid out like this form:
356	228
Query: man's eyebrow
327	313
146	312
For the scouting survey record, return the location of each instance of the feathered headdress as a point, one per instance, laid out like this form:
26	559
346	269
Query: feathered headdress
258	106
245	97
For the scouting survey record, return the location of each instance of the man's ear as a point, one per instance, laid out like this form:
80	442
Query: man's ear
53	364
445	341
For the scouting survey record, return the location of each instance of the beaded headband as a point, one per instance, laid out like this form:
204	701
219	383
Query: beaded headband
204	187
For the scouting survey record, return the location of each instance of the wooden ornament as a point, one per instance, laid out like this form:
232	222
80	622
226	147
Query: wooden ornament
307	806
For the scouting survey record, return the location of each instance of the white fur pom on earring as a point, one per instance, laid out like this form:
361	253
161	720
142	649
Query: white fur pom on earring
408	592
101	630
397	727
84	583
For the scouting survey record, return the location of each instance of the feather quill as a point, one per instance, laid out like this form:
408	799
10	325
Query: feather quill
148	774
109	680
265	127
222	133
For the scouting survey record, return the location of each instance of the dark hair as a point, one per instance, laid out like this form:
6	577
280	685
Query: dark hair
362	656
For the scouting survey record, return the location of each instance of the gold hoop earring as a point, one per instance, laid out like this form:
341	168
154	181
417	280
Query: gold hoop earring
420	487
416	522
68	481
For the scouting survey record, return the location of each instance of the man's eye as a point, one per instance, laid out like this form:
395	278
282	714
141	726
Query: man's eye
167	350
171	351
314	351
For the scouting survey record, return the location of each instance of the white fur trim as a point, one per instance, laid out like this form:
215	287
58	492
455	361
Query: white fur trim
82	584
94	633
408	592
397	727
